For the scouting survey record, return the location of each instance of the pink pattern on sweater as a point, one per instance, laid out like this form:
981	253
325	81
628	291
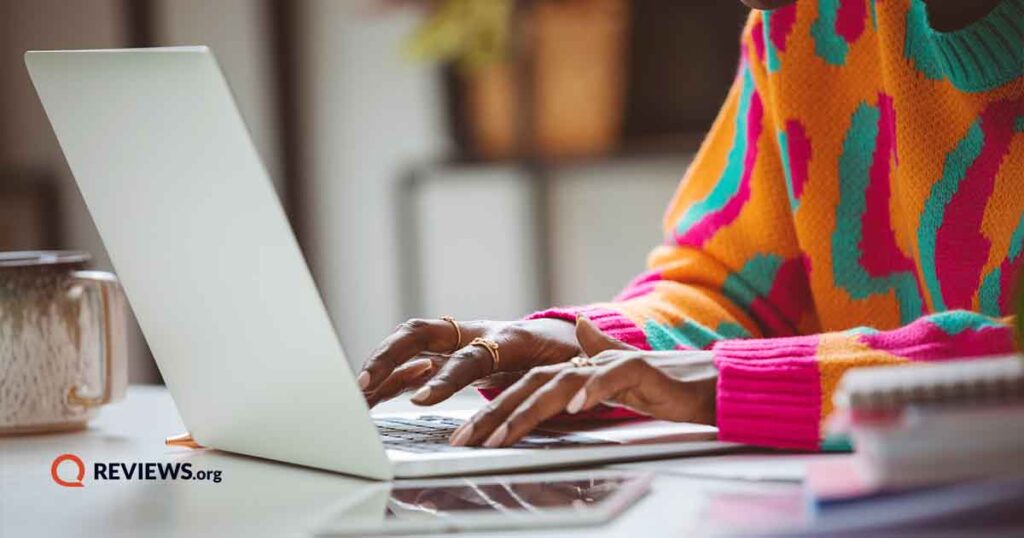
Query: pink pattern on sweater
757	37
882	256
782	21
850	19
716	220
778	312
925	341
961	249
1009	270
799	147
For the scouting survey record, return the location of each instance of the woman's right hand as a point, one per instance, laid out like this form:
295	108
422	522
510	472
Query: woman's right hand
421	354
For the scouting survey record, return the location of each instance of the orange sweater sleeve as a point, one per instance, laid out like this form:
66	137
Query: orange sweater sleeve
729	265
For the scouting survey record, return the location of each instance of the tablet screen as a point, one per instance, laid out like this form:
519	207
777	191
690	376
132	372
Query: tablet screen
575	498
499	496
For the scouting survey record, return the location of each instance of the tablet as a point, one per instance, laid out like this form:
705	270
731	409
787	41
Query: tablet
578	498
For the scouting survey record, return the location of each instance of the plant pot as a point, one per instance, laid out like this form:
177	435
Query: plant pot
574	91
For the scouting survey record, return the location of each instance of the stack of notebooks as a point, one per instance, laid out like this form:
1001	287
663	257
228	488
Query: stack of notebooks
925	425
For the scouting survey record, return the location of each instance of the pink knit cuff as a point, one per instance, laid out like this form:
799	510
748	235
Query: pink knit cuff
607	320
769	393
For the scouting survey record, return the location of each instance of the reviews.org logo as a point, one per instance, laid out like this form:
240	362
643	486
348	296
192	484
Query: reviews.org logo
68	470
79	470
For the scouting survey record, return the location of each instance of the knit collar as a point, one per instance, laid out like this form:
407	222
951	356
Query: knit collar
985	54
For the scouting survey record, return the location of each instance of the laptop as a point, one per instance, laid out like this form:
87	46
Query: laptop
223	294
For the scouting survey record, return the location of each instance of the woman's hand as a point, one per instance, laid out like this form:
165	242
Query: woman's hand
431	356
673	385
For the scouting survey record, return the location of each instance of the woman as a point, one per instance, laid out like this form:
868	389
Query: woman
858	201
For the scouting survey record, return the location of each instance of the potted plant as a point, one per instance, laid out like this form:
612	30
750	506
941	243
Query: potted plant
540	78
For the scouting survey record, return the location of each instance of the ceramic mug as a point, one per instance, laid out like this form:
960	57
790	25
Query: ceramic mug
62	341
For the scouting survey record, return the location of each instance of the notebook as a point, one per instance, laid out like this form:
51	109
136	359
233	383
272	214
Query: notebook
934	423
988	380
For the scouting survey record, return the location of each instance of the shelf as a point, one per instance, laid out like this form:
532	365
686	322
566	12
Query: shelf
667	146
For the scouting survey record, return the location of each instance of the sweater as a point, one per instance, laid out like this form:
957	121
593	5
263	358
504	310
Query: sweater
859	200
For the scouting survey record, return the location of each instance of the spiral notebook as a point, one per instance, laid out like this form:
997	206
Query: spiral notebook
987	380
929	424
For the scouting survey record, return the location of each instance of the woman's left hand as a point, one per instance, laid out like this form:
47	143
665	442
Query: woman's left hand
674	385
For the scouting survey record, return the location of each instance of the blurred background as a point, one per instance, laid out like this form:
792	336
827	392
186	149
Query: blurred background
479	158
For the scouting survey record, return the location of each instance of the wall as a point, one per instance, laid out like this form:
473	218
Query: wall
476	234
238	32
26	140
369	115
606	219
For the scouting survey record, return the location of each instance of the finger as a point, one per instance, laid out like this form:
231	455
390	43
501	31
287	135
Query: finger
592	341
407	376
409	340
500	380
462	368
482	424
543	404
606	383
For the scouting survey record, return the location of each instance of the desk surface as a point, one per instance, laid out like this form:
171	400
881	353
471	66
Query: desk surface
690	496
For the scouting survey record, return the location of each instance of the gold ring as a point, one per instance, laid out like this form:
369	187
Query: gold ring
580	362
491	346
458	332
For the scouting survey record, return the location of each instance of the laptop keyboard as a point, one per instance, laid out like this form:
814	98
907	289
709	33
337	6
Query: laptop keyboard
429	433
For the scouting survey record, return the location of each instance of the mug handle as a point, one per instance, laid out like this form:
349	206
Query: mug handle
112	348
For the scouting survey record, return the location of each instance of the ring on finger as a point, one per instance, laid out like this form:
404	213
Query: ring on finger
458	332
581	362
491	347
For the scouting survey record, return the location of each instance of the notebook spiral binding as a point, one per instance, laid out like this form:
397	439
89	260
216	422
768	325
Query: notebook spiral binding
976	381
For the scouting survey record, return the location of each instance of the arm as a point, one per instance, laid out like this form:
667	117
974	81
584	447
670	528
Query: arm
772	392
778	391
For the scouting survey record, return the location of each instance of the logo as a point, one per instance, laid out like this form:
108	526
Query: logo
79	473
122	471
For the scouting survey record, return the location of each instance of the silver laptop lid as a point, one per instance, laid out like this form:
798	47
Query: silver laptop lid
208	261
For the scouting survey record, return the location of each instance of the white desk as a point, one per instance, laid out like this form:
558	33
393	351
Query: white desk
262	498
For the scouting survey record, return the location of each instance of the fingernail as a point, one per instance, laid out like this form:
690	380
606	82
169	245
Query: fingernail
421	394
462	435
423	365
363	380
496	438
576	403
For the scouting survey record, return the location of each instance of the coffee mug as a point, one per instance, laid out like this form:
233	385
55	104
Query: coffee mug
62	341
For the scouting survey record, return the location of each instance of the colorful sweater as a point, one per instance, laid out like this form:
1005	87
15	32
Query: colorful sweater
858	201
